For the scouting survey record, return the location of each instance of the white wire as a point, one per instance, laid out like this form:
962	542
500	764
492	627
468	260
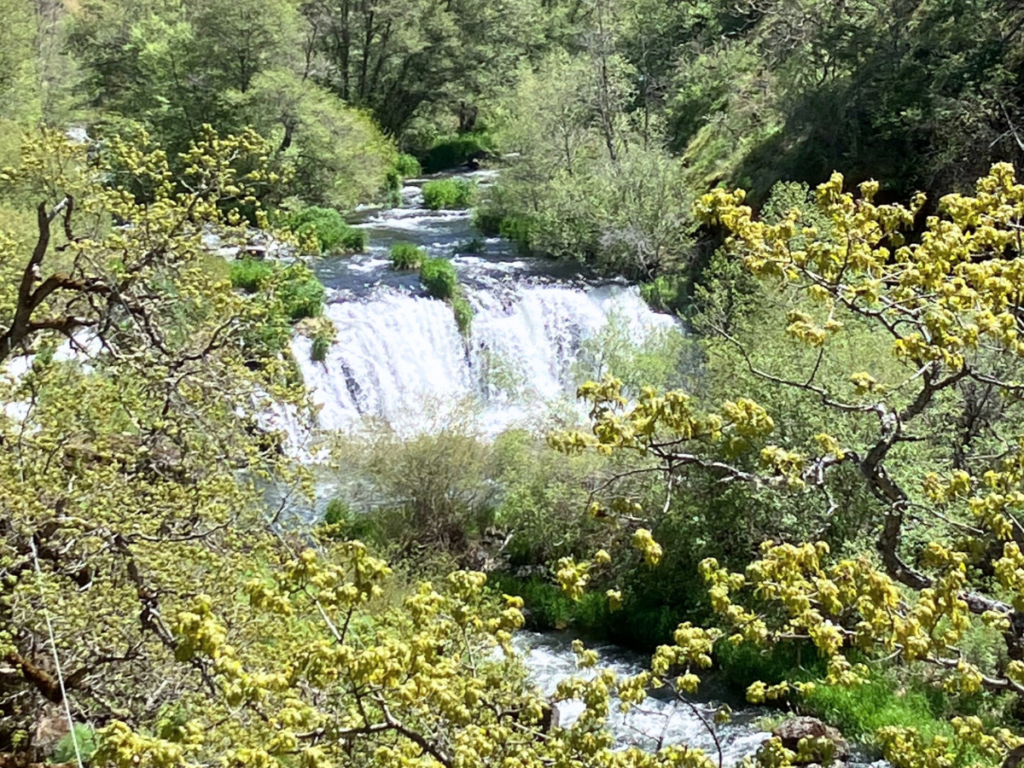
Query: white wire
56	658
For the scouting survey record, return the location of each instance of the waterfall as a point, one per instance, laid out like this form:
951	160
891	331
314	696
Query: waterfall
400	357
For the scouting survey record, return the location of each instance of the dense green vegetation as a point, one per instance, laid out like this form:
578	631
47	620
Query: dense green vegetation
815	492
448	193
326	230
407	256
441	282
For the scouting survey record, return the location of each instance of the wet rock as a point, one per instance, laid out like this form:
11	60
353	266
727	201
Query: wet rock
791	732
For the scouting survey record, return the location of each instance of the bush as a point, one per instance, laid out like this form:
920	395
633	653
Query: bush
393	186
341	522
448	193
665	294
457	150
250	274
64	752
519	230
488	221
439	278
330	231
301	293
463	312
321	345
408	166
407	256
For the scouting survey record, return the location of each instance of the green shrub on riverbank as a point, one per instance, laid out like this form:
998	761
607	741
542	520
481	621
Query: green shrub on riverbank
250	274
458	150
448	193
300	293
439	278
665	293
407	256
327	228
407	166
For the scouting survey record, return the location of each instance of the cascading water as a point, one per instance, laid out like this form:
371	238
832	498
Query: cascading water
401	357
660	721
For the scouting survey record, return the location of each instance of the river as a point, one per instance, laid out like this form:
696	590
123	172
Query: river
400	359
399	356
661	719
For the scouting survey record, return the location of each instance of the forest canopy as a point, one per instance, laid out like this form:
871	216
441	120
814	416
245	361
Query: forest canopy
809	488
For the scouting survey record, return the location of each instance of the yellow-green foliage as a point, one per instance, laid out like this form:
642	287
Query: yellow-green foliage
944	305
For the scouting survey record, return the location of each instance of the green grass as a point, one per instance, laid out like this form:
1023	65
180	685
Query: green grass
408	167
406	256
463	312
250	274
328	229
448	193
439	278
861	710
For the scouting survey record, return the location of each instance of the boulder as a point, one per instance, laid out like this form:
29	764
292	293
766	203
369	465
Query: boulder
792	731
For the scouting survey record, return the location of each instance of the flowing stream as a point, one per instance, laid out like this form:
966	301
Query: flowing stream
399	355
399	358
660	720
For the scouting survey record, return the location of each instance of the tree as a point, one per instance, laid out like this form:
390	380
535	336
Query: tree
169	69
403	57
947	528
131	451
148	588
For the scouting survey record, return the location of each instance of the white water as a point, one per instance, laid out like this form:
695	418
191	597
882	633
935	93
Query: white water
401	358
658	720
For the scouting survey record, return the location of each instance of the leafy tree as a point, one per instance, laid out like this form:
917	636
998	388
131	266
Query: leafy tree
131	452
172	68
946	524
407	58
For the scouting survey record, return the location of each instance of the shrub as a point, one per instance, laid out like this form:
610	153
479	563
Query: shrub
330	231
519	230
457	150
488	221
64	752
301	293
407	166
341	522
338	512
665	294
406	256
321	345
448	193
439	278
463	312
250	274
393	185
